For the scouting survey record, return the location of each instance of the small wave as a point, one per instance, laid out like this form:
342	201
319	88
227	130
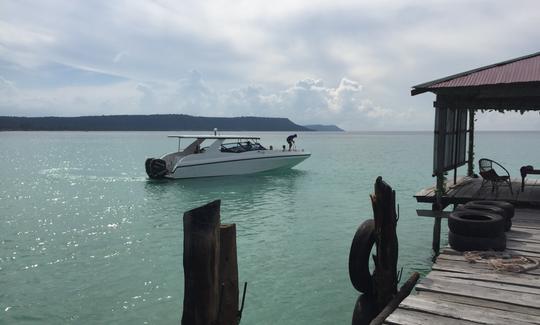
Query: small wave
74	174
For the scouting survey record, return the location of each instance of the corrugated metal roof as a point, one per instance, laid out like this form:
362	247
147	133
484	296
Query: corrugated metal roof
519	70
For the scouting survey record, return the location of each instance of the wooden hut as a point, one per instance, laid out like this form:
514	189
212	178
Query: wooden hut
512	85
459	290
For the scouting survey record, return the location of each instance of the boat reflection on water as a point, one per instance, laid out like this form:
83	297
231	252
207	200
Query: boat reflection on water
247	195
226	186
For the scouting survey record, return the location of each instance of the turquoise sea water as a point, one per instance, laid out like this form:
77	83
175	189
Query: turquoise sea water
86	238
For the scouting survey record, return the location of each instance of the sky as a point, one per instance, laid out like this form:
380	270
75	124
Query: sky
349	63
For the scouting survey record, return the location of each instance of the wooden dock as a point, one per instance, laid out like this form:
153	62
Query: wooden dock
459	292
468	189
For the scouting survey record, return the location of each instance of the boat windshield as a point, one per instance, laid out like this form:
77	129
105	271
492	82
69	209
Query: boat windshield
238	147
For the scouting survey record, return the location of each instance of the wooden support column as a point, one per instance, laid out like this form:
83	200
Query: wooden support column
436	242
201	263
456	143
228	276
438	167
470	156
438	206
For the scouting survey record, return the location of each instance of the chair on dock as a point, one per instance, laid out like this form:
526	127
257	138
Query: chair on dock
489	174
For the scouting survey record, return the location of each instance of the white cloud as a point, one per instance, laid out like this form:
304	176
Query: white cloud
7	88
308	101
254	56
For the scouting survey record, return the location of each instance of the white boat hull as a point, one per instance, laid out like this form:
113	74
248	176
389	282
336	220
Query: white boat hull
242	155
237	164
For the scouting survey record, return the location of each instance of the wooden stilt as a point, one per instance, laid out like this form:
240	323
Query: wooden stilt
438	206
201	262
436	244
228	276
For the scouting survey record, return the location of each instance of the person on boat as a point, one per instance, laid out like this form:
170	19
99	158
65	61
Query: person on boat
290	140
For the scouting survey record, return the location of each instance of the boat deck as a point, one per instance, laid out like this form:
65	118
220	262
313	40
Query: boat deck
468	189
459	292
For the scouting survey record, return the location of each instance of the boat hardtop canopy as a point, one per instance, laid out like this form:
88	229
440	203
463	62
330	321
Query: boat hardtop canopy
196	136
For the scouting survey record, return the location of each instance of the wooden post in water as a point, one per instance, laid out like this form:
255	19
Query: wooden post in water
228	276
201	262
384	212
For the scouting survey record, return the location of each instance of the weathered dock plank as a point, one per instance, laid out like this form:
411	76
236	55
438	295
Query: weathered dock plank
523	279
485	284
518	233
524	240
436	296
410	317
464	312
512	297
523	246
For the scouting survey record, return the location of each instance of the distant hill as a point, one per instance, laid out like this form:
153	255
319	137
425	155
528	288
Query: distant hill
320	127
165	122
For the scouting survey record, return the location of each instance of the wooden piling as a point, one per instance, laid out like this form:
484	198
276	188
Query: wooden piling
384	212
228	276
201	262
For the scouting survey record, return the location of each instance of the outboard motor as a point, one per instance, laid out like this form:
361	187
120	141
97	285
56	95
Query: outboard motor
155	168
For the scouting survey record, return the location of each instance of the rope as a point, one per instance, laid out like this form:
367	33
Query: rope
502	262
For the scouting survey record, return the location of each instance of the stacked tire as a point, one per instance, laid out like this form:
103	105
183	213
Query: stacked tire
508	209
480	225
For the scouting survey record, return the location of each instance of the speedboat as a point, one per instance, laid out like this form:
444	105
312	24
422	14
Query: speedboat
226	155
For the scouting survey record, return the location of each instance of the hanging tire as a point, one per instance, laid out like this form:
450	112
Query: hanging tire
474	223
467	243
489	208
364	310
359	256
508	207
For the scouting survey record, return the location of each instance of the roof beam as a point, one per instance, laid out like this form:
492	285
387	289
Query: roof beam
505	104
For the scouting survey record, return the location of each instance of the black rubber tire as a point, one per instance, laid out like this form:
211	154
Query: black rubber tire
475	223
359	256
364	310
506	206
508	225
486	208
492	209
467	243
